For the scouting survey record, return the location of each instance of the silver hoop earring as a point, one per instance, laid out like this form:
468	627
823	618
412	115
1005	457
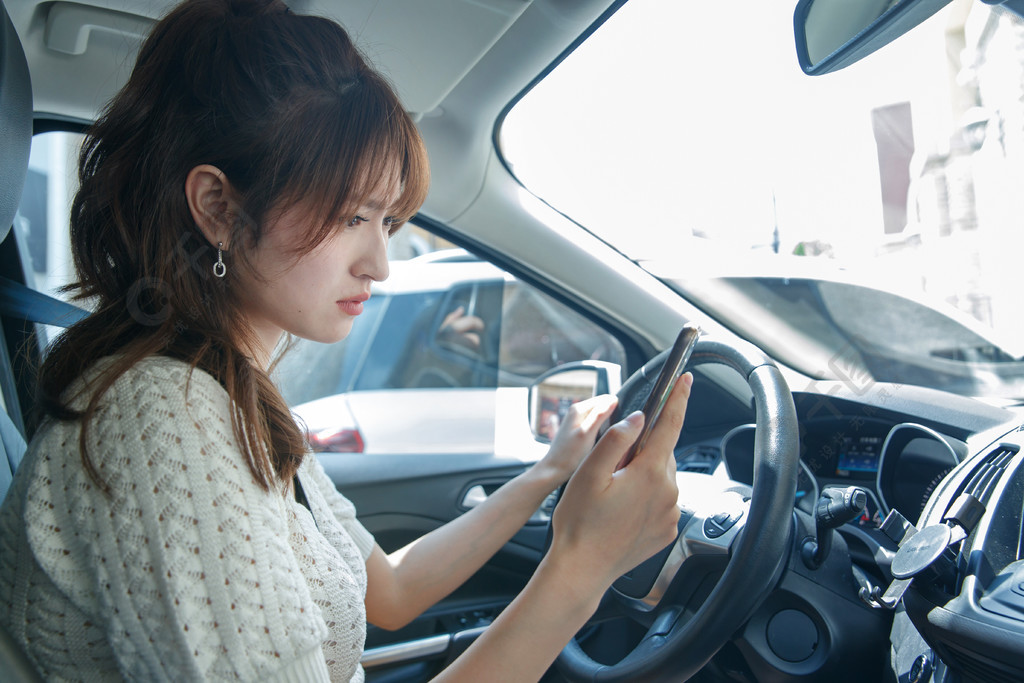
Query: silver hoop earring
219	268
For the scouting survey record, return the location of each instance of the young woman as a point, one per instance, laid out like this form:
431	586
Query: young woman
168	522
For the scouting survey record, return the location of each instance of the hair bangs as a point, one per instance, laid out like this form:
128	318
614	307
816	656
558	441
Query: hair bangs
364	149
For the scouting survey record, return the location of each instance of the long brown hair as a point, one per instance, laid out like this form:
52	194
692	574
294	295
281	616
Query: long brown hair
290	111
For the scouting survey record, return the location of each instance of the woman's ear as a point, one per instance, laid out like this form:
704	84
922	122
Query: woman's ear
212	202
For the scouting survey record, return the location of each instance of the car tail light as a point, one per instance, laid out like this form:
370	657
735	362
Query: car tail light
334	440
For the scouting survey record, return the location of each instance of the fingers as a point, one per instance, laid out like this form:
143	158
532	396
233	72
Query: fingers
461	329
604	459
593	411
607	455
453	316
583	420
468	323
587	415
624	515
665	433
621	517
470	339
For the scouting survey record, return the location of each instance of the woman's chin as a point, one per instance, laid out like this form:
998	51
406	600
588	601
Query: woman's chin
327	335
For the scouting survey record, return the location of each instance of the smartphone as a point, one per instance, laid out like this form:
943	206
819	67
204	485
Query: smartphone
670	372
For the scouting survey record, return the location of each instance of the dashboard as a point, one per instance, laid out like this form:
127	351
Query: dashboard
898	452
918	452
898	465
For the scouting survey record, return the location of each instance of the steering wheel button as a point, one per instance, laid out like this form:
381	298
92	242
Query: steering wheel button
712	531
716	526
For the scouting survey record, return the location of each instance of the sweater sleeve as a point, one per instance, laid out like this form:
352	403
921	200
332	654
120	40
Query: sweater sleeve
185	562
340	506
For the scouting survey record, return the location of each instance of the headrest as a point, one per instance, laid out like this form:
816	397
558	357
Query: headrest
15	121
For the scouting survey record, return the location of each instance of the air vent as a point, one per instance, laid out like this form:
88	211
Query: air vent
701	460
986	475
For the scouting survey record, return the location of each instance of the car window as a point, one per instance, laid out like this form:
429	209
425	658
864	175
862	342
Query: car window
490	332
897	173
440	362
396	356
41	222
539	333
323	369
42	219
861	333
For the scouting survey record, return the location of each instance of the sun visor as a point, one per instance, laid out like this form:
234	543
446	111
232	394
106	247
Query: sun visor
426	58
81	53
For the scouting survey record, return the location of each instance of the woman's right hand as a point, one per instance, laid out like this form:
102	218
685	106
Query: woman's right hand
609	521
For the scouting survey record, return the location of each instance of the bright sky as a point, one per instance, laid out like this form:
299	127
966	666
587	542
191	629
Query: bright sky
696	115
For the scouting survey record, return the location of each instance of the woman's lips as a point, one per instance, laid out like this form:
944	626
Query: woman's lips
353	306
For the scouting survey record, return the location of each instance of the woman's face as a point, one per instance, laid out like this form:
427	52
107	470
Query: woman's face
319	294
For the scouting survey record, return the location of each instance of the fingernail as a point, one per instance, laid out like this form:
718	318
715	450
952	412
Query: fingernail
635	418
688	378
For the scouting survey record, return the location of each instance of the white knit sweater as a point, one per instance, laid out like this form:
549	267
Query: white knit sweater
188	570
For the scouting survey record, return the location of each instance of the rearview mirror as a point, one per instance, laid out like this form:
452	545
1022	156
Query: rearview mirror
556	390
832	34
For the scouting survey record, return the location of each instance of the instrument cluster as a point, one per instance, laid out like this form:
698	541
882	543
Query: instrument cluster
898	465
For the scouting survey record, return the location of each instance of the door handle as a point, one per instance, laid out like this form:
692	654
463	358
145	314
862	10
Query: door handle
477	494
474	496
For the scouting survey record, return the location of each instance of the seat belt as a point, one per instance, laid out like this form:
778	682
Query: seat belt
22	303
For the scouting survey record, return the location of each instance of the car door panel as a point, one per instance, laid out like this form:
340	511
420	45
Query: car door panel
402	497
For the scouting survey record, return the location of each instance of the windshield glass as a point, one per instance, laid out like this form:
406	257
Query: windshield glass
862	223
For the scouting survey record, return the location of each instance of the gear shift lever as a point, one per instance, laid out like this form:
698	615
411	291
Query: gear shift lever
835	507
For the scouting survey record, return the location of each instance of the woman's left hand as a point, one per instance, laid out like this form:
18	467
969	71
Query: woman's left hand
576	436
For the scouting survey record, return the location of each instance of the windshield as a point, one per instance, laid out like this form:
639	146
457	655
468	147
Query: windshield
864	222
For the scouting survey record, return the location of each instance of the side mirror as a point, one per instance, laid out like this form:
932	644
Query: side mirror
552	393
832	34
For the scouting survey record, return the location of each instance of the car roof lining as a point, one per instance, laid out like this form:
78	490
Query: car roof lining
454	74
66	41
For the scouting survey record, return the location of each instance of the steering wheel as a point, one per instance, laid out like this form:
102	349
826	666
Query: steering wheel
753	532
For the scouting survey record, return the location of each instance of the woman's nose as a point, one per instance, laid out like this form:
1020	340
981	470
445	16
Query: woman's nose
374	262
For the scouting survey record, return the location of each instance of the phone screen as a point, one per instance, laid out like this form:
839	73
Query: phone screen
670	372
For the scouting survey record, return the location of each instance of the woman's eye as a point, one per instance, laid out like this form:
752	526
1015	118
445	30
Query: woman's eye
393	225
355	221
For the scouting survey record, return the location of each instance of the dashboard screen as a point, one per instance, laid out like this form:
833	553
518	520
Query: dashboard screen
859	456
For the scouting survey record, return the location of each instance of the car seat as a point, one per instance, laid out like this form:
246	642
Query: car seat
20	306
15	141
